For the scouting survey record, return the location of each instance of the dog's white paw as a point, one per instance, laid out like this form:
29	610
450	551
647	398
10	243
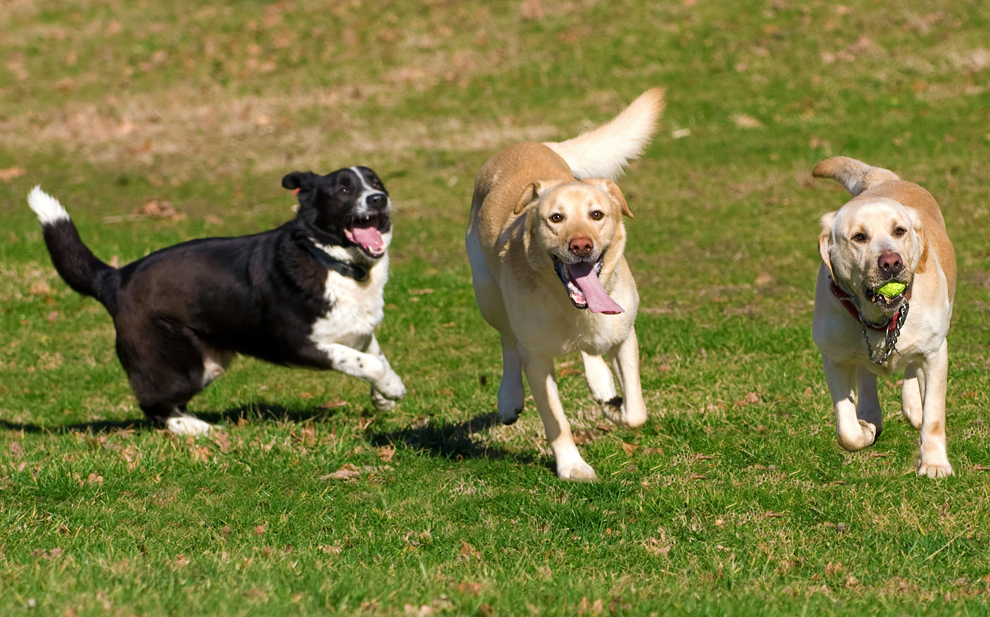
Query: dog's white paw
390	386
189	425
379	401
941	469
576	472
858	436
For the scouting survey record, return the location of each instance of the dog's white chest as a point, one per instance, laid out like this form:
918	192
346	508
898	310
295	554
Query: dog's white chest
356	308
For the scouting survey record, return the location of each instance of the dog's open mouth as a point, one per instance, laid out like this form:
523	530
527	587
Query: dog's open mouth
366	232
583	287
887	302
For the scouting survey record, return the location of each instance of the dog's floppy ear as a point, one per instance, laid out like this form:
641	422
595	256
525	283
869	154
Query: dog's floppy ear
614	192
531	193
825	242
299	180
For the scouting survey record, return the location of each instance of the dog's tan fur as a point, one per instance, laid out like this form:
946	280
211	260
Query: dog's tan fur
892	215
510	239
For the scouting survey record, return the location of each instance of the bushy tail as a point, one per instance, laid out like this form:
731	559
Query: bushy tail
74	262
605	151
855	175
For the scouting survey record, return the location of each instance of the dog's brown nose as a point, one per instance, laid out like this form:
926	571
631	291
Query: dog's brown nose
581	246
890	263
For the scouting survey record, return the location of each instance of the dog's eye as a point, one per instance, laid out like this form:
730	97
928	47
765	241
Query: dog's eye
899	232
860	237
556	217
597	215
344	190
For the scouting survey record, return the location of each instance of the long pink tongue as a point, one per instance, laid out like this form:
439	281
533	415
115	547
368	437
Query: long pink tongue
368	237
594	294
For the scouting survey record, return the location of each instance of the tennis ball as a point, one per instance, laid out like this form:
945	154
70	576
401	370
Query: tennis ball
891	289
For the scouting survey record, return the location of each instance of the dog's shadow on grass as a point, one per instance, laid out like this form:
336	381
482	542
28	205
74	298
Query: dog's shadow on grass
252	412
102	426
264	412
451	440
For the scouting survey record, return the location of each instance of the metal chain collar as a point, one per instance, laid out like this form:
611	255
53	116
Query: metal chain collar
888	343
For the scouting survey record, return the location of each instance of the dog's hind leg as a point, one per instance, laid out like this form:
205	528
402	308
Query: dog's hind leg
511	393
868	400
543	385
912	396
166	368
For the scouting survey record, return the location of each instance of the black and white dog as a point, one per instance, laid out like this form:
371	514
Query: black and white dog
306	294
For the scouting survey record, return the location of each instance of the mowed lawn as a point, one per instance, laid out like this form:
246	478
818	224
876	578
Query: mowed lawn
158	122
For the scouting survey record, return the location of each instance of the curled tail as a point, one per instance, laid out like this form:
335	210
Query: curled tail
74	262
605	151
855	175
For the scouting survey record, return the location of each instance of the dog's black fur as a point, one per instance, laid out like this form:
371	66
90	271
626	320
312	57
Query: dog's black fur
255	295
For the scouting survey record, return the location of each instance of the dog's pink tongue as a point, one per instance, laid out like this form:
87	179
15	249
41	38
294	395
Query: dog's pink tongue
368	237
594	294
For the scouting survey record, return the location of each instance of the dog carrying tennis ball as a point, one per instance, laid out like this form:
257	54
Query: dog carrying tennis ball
891	289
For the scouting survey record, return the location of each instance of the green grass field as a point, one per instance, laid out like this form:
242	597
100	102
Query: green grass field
734	499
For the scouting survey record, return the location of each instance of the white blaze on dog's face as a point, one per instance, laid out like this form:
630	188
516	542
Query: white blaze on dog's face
576	224
867	244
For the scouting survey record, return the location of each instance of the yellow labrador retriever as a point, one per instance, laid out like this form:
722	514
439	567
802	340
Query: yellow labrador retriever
546	252
891	230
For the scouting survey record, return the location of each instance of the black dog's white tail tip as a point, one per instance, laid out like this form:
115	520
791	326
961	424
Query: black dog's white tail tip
48	209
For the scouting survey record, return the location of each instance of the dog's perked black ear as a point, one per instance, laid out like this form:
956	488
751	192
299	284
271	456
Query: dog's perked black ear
300	180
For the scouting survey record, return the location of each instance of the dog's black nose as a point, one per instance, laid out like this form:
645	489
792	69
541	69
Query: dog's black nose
890	263
378	201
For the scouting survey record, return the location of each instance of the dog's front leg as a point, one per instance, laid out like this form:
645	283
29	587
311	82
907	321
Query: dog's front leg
934	455
853	434
625	359
600	382
543	385
378	399
913	395
367	367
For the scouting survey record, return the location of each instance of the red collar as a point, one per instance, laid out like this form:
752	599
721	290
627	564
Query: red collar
847	302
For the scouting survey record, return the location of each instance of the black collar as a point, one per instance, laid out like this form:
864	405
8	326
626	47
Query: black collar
357	272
